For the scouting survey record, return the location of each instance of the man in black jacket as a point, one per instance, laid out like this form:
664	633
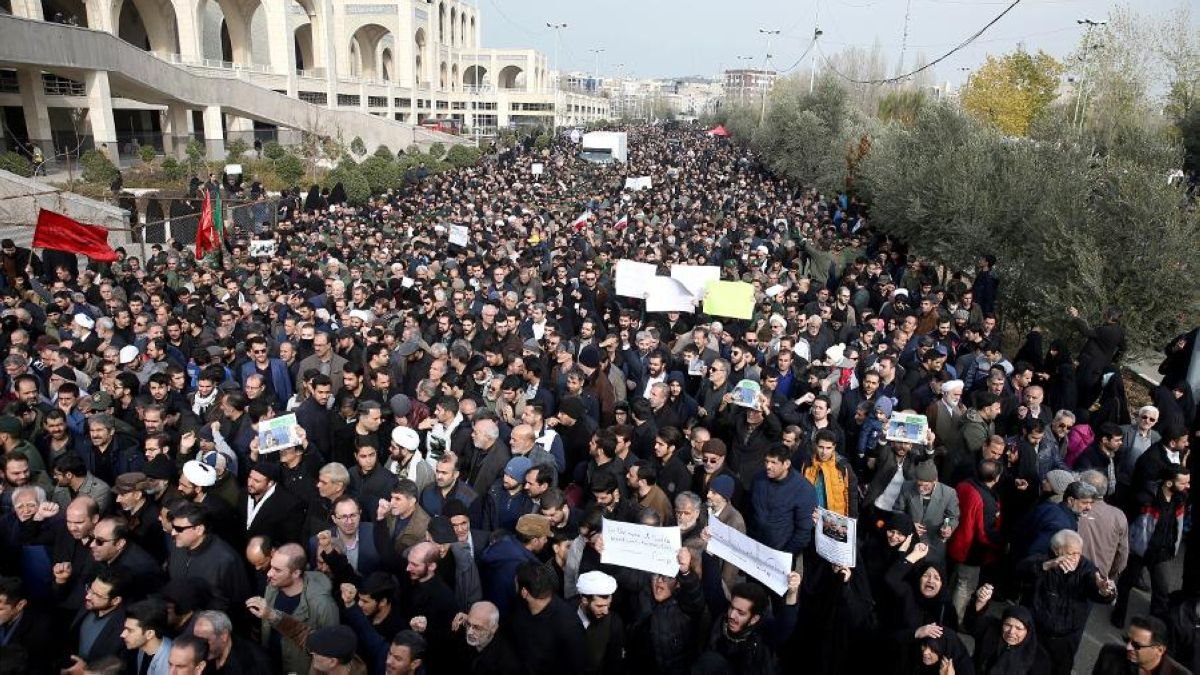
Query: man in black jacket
97	627
201	555
267	509
545	630
22	625
1144	651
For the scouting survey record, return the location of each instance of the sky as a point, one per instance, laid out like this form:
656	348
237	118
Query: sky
672	38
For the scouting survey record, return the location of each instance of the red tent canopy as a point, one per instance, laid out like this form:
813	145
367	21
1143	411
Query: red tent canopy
718	130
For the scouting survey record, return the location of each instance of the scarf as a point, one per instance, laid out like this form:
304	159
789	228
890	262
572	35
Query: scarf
833	491
991	511
201	404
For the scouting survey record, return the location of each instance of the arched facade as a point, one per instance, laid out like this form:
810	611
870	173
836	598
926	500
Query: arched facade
475	76
511	77
365	50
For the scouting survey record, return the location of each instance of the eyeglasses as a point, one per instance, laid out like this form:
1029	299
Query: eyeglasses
1137	646
346	517
258	351
182	528
94	594
1148	418
97	541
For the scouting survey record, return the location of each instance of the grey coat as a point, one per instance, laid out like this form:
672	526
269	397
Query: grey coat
943	503
317	609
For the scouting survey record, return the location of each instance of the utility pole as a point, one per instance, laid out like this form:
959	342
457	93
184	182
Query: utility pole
557	28
762	115
596	69
1080	102
812	60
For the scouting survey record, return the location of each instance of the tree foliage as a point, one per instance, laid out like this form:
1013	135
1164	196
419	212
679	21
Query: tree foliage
1011	91
358	190
274	151
1069	227
15	163
806	136
289	168
461	156
97	167
234	150
381	173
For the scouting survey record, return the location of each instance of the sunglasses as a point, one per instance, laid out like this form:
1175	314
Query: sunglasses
182	528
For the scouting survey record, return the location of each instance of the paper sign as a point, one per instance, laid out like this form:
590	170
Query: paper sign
664	294
695	278
633	278
260	247
641	547
836	537
459	235
907	428
746	394
537	168
733	299
277	433
233	169
752	557
639	183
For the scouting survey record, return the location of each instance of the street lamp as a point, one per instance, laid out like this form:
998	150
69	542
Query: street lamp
769	33
557	28
596	69
1080	101
812	60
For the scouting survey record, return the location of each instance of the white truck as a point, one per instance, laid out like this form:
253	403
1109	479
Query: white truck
603	147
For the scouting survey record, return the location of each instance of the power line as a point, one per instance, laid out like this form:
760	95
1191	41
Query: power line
932	63
800	59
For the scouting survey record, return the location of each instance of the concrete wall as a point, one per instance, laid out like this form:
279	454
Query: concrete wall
22	198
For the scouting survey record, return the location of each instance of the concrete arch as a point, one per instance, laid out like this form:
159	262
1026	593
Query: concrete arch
454	77
443	73
474	40
216	18
420	42
462	29
442	22
387	65
453	26
149	24
511	77
302	41
474	76
367	40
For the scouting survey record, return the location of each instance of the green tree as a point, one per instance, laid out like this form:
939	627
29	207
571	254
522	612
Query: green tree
384	151
437	150
357	147
901	106
1012	91
195	156
806	136
147	153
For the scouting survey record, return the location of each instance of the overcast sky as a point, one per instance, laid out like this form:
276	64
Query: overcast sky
662	38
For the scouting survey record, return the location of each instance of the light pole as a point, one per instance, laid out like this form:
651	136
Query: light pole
1080	103
557	28
762	115
596	69
812	60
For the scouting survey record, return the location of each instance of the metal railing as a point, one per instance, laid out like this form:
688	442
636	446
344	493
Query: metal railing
218	64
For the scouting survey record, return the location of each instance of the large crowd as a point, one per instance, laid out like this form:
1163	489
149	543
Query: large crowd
468	418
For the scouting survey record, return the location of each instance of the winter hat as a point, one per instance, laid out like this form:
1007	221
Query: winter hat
723	485
926	472
884	404
517	467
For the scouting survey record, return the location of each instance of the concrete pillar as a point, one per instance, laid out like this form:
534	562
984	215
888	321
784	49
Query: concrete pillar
325	45
29	9
100	15
37	115
280	38
188	27
100	113
214	135
177	130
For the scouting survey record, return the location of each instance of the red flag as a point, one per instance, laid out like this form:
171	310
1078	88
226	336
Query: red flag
582	221
59	232
622	223
206	232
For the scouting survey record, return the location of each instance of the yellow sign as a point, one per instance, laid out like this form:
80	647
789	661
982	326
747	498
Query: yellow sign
733	299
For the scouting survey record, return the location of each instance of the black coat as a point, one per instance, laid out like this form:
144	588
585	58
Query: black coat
281	518
108	642
37	635
1112	661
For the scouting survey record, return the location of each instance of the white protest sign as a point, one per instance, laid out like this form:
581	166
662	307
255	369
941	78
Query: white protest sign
752	557
664	294
537	168
459	235
639	183
633	278
641	547
259	247
695	278
836	537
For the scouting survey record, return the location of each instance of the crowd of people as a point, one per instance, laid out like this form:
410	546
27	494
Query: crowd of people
468	418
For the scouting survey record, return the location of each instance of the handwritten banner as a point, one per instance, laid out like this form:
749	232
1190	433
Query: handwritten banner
642	547
752	557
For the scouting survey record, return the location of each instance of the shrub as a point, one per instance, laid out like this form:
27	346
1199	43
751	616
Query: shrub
358	147
172	169
358	190
289	168
98	168
383	151
147	153
437	151
461	156
542	142
234	150
195	156
274	151
381	173
18	164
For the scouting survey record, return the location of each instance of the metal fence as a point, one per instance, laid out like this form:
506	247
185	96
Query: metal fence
167	219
